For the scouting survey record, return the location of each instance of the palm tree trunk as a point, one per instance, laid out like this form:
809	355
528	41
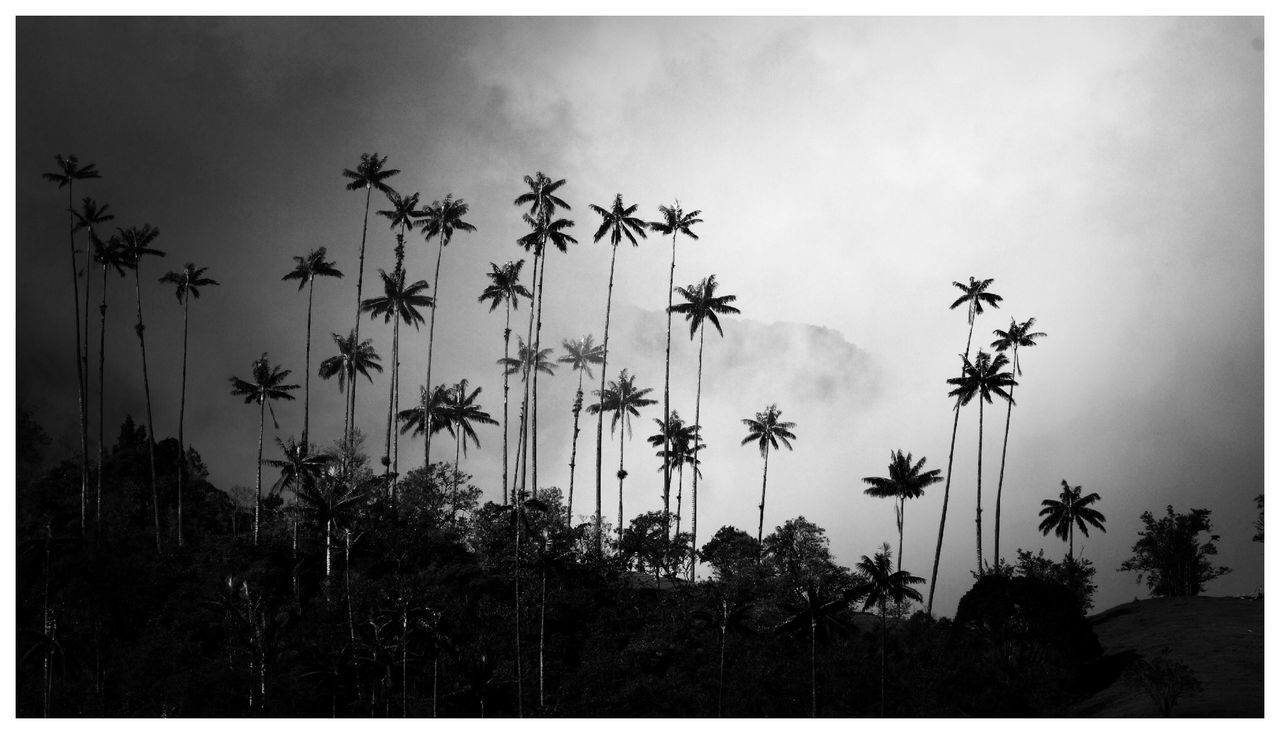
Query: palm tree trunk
146	389
506	388
537	346
573	455
457	476
328	549
257	483
84	385
978	517
519	661
763	483
395	410
431	342
520	453
306	377
720	687
81	390
364	233
102	351
942	523
680	496
524	440
666	398
622	446
884	634
1071	542
813	663
542	637
902	510
1003	451
697	429
346	573
604	367
182	410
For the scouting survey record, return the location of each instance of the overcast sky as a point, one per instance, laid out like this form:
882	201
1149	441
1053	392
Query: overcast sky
1107	173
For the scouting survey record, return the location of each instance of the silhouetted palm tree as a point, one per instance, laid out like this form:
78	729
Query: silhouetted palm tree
440	220
504	287
187	284
982	378
701	306
882	587
674	222
528	364
1070	510
305	271
136	242
68	172
298	470
675	443
580	354
905	482
398	302
462	413
351	359
90	215
766	431
331	500
432	408
268	384
814	608
1018	335
624	400
109	255
370	174
975	296
618	221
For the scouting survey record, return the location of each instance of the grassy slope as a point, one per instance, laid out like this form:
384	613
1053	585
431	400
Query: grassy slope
1219	638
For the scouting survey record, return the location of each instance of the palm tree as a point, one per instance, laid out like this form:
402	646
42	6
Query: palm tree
618	221
298	469
110	254
766	431
1018	335
982	378
399	302
701	306
68	172
580	354
136	241
305	271
528	363
905	482
813	608
370	174
187	284
462	412
331	500
268	384
432	409
975	296
675	443
1070	510
674	222
882	587
441	219
352	358
623	400
505	287
90	214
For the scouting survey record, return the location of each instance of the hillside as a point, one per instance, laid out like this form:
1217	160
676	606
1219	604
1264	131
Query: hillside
1219	638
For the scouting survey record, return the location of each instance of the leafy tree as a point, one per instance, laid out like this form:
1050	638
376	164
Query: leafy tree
766	431
1170	555
905	482
799	552
505	288
648	542
305	270
1073	573
732	553
1018	335
267	385
1071	510
580	354
1166	680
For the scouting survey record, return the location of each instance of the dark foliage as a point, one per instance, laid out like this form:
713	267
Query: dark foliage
1170	556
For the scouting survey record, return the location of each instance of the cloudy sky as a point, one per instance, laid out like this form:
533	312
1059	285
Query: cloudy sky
1107	173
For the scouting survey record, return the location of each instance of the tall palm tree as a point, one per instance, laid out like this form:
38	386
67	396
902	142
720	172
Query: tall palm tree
1018	335
68	172
398	302
268	384
674	222
1070	510
765	430
187	284
975	295
675	443
370	174
528	363
505	287
814	608
580	354
701	306
299	469
89	216
440	220
882	587
905	482
624	400
617	221
110	255
463	412
331	500
136	242
352	359
982	378
305	270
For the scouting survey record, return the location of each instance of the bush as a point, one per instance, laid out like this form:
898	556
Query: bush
1171	557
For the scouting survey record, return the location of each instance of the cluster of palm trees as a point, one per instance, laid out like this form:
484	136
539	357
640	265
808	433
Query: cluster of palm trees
455	408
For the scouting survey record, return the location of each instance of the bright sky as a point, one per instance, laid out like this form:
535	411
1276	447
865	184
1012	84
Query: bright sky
1107	173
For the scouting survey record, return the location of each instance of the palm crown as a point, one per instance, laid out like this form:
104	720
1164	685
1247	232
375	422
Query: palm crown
461	411
370	174
267	384
525	359
1018	335
767	430
905	480
135	241
298	469
69	169
504	285
975	295
675	220
622	399
437	403
546	230
702	304
983	378
351	359
619	221
187	281
679	437
541	196
884	585
90	214
443	218
398	299
580	354
1071	508
311	266
403	209
111	254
